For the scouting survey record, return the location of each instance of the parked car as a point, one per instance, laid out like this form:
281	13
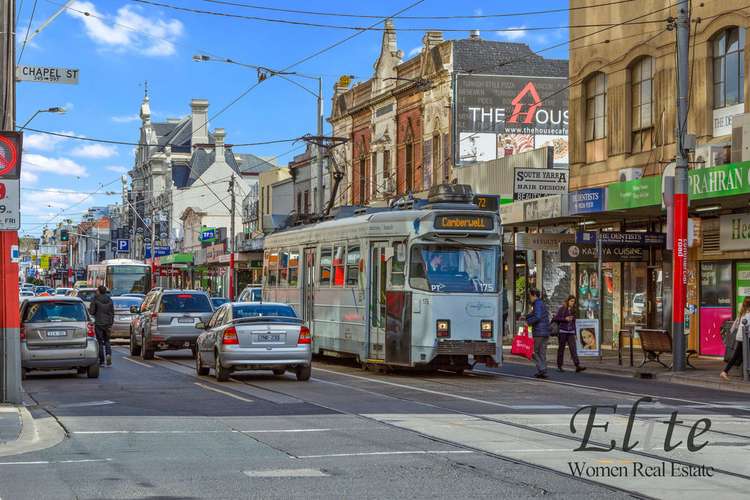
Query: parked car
639	305
62	291
81	284
85	294
167	319
218	301
136	295
27	287
123	315
23	295
57	333
253	336
38	290
251	293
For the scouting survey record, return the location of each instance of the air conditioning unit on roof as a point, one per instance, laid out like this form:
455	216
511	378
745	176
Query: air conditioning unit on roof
630	174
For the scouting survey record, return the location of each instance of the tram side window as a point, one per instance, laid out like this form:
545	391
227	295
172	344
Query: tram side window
352	266
283	268
293	267
325	266
273	266
338	265
398	265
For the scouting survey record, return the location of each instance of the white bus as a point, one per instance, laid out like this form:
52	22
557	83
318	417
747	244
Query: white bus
120	276
416	287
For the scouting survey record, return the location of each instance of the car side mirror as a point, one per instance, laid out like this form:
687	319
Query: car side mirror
200	325
134	309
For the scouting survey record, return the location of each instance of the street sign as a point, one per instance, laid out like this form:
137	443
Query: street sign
10	173
46	74
208	234
161	250
15	257
123	245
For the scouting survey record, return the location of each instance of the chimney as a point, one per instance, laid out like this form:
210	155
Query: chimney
199	112
432	39
219	135
474	35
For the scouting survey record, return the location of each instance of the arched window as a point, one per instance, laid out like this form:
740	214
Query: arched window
642	104
729	67
596	107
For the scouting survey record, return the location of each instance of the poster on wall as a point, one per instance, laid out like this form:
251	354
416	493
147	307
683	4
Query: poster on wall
588	338
500	115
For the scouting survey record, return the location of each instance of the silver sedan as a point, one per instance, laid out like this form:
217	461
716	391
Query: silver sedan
254	336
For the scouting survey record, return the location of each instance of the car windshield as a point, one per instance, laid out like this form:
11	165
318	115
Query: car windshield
185	303
52	312
126	302
453	268
255	311
86	295
217	301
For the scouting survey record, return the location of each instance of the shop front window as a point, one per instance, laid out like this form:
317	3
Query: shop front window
635	303
587	280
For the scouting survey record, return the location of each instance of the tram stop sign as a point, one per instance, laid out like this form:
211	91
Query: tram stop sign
10	174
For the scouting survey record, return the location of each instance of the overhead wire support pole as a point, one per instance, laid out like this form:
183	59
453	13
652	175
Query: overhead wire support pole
680	203
318	149
231	241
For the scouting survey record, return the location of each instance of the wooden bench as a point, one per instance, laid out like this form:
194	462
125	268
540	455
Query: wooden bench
657	342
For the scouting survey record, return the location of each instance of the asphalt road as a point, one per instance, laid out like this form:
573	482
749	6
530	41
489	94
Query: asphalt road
156	430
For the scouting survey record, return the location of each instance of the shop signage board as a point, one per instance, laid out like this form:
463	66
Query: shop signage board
588	338
642	192
541	241
734	231
586	201
208	234
722	119
499	115
742	283
725	180
622	238
575	252
531	183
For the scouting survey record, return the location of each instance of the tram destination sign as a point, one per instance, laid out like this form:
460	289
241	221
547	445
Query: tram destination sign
465	222
487	202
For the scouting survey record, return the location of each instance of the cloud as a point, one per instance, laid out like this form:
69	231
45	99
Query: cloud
478	12
29	177
126	118
44	142
41	202
117	168
36	163
95	151
154	36
416	50
513	33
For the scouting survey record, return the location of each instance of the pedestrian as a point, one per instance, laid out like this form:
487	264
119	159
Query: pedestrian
743	318
538	319
505	312
566	321
103	312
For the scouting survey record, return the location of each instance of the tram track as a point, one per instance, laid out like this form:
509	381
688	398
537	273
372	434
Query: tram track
504	422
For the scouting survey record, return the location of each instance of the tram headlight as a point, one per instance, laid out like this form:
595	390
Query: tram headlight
485	327
443	328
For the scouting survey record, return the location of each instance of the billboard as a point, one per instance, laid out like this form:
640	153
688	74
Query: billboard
499	115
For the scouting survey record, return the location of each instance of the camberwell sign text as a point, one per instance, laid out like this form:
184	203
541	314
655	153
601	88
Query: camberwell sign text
724	180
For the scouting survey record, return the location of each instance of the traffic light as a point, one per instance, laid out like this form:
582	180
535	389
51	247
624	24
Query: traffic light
63	235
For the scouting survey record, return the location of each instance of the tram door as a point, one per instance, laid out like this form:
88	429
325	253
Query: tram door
378	275
308	282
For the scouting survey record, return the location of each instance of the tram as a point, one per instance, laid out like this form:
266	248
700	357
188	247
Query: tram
120	276
414	287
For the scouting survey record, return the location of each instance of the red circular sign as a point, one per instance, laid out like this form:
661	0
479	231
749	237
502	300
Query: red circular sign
8	155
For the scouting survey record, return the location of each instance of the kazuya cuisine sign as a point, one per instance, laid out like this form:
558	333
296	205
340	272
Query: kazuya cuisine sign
498	116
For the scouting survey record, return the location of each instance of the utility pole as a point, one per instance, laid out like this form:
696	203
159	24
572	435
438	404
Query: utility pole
153	247
231	241
321	194
10	345
680	204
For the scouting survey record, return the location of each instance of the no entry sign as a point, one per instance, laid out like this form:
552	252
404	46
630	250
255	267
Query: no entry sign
10	184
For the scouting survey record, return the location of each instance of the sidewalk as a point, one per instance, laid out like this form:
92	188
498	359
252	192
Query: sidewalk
10	424
25	429
705	374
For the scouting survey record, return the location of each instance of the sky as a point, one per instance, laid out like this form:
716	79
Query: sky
122	44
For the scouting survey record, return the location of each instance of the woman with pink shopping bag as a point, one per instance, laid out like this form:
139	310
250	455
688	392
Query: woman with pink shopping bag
538	319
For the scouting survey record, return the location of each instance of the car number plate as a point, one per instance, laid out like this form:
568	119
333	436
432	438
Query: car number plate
185	320
123	318
269	338
57	333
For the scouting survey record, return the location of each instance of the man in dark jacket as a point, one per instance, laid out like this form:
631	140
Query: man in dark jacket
538	319
103	312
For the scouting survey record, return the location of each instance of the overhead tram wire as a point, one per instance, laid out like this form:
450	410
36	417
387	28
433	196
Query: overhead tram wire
308	24
374	16
28	29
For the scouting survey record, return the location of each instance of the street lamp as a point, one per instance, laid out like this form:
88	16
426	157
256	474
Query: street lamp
56	109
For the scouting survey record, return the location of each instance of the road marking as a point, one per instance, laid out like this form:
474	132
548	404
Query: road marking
404	386
380	453
49	462
223	392
540	407
88	403
137	362
286	473
208	431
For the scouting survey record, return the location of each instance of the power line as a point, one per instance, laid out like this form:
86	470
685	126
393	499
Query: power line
373	16
28	28
353	28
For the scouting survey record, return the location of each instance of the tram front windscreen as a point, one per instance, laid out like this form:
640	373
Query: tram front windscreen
445	268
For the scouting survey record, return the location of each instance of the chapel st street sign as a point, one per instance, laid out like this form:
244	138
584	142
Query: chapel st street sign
47	74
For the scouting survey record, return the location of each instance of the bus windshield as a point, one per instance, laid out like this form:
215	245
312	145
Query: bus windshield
452	268
128	279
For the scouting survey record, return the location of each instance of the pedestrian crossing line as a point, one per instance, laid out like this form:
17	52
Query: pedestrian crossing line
53	462
381	453
285	473
208	387
137	362
207	431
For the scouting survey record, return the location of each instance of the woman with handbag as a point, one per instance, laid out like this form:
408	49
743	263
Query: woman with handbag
737	330
565	320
